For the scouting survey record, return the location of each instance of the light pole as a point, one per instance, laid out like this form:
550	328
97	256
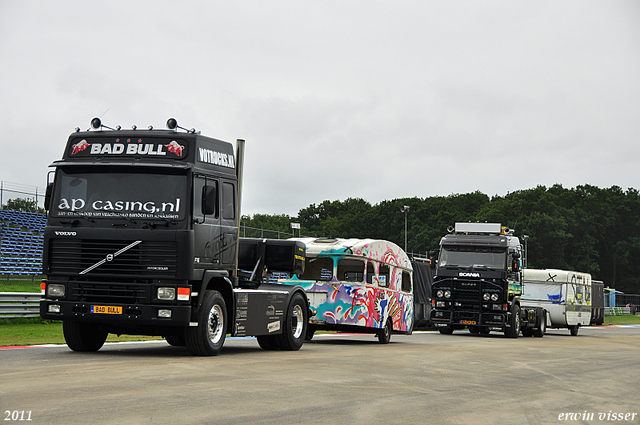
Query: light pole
526	250
405	209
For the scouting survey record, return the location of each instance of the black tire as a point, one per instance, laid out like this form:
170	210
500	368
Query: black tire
514	320
474	329
542	328
267	342
175	340
447	330
527	332
208	337
484	331
295	325
384	334
574	330
81	336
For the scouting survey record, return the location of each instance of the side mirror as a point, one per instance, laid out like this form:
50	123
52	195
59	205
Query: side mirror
432	259
47	196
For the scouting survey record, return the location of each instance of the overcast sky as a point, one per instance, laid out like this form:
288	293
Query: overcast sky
338	99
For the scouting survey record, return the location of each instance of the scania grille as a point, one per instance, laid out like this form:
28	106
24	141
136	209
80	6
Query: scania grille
74	256
115	293
466	291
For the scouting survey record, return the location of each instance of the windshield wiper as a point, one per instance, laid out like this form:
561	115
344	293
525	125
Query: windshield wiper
75	220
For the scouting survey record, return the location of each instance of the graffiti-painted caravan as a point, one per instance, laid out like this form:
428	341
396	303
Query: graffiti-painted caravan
566	295
357	285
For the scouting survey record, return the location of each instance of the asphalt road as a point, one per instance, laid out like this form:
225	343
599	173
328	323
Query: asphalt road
426	378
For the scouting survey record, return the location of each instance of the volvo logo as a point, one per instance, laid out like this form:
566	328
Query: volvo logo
59	233
468	274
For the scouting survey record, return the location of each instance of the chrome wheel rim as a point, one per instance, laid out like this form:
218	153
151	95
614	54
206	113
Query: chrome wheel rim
215	324
298	321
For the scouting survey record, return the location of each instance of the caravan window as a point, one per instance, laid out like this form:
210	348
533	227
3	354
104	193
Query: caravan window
318	269
350	270
406	282
370	273
383	275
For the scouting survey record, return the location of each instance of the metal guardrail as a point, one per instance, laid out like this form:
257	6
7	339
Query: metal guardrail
19	304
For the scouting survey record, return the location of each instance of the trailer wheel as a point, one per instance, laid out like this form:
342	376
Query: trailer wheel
384	334
208	337
81	336
175	340
446	330
514	330
267	342
574	330
542	329
295	325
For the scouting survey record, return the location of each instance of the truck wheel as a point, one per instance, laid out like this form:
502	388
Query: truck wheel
447	330
484	331
267	342
514	330
295	325
81	336
384	334
208	337
542	329
175	340
574	330
474	330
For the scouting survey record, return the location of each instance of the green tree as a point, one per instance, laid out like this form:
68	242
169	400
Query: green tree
23	204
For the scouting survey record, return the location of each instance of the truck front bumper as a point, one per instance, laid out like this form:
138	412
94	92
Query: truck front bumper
145	315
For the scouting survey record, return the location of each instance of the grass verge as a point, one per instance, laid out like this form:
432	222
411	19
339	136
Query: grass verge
35	332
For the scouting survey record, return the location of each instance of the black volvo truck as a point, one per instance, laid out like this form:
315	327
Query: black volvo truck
142	238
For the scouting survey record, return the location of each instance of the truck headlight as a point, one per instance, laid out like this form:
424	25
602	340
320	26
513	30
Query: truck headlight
440	304
55	290
440	293
53	308
167	294
447	294
494	297
486	296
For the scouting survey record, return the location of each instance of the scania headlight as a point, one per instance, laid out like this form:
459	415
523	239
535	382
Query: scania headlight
167	294
494	297
440	293
486	296
447	294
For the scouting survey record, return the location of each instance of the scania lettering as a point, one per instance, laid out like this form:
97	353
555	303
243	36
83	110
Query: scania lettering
142	238
478	283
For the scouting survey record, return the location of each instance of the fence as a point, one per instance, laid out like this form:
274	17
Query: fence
19	304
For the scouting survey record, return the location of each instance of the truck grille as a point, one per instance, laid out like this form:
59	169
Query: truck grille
149	258
466	291
109	292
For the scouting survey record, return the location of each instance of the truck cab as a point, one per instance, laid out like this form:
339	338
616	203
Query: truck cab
142	238
478	281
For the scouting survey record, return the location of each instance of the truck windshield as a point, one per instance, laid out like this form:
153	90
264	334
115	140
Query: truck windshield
113	195
473	257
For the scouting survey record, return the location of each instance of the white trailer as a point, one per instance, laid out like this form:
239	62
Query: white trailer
566	295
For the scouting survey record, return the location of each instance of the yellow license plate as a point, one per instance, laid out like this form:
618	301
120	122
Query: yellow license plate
106	309
467	322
